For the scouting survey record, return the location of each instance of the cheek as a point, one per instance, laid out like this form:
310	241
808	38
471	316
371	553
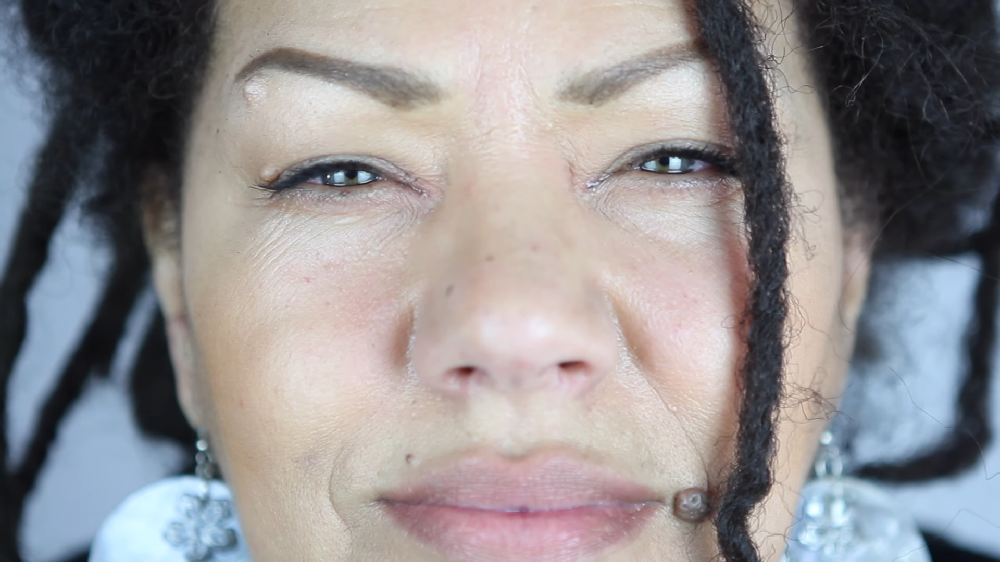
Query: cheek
297	329
680	312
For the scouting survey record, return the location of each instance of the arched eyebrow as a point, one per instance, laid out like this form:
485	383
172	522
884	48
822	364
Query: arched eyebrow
402	89
602	85
394	87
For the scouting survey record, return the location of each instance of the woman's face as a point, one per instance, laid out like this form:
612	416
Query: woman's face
465	279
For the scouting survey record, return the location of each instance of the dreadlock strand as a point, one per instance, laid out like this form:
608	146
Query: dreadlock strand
48	197
94	352
961	448
728	33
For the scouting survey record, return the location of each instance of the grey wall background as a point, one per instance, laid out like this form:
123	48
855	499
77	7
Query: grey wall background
99	457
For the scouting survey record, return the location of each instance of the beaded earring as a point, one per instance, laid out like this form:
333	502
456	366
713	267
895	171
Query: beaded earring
846	519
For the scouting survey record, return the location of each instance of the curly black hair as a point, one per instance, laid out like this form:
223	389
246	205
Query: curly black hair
911	93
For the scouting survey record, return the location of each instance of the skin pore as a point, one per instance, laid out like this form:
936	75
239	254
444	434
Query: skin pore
542	266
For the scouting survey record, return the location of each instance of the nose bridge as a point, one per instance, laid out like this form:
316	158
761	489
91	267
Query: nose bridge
513	302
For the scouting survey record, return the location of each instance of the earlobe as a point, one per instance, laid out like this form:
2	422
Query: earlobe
857	268
169	289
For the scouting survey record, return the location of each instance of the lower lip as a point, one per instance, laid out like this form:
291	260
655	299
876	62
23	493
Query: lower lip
569	534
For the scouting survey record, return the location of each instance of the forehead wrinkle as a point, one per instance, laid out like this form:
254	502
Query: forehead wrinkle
600	86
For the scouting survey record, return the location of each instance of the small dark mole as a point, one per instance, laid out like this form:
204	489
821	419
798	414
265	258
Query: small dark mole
449	289
692	505
490	258
409	459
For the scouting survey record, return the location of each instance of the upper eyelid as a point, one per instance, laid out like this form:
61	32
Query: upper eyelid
634	158
658	151
384	170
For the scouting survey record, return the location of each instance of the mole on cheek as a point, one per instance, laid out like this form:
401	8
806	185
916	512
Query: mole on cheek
692	505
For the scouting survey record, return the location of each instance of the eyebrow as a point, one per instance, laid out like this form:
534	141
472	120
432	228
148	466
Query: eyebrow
602	85
402	89
394	87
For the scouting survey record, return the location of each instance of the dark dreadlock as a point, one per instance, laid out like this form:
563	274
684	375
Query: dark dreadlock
910	87
729	34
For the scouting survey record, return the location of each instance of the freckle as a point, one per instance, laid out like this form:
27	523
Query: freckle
448	290
490	258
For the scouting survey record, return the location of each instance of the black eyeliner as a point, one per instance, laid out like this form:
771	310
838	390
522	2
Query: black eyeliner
302	174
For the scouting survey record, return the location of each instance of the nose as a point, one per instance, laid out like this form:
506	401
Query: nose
514	304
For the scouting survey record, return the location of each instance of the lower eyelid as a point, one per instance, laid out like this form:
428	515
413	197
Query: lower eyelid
704	178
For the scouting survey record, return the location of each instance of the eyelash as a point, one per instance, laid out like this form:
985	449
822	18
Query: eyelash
710	156
308	172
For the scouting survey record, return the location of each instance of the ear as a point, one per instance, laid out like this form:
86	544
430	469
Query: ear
857	268
162	239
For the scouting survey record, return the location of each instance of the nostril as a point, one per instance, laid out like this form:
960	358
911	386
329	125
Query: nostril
461	377
573	368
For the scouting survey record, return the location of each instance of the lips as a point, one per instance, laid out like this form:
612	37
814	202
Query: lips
550	507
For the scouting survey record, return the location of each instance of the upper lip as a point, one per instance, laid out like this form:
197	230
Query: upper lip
539	482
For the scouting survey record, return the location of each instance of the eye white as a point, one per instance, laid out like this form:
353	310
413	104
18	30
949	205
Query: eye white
672	165
349	178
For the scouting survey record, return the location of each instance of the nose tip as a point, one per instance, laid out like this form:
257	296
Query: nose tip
508	339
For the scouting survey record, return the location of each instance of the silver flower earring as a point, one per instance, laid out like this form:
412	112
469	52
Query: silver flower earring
180	518
203	528
845	519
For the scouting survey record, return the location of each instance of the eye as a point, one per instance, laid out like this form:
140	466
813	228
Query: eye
338	173
674	164
345	176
